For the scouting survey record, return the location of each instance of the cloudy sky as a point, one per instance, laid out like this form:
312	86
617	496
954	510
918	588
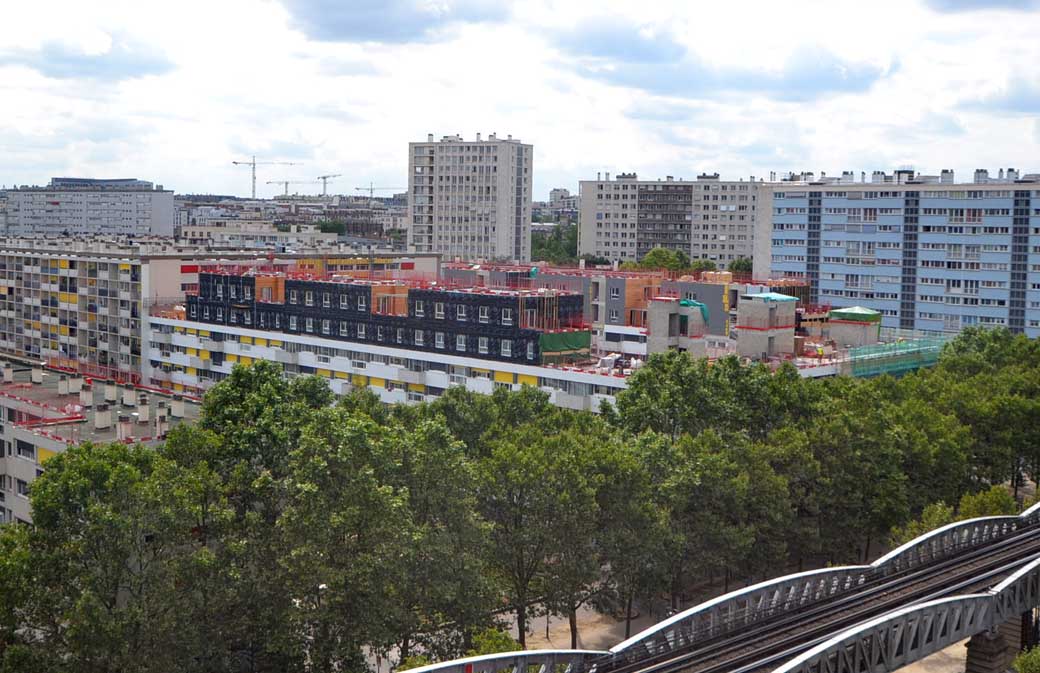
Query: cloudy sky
173	92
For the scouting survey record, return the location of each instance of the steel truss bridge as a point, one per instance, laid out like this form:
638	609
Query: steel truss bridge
962	580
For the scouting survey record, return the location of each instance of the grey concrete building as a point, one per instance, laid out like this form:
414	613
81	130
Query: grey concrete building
470	199
83	206
707	218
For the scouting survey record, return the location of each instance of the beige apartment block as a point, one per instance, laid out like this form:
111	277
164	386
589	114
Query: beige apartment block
470	200
623	218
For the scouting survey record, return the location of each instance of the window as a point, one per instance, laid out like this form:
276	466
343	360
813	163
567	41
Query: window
308	298
309	324
438	310
419	337
247	292
615	293
220	314
485	314
232	292
326	299
460	312
614	315
530	350
460	342
361	330
507	316
292	296
482	345
362	304
344	301
23	488
326	326
343	328
507	348
26	450
220	292
438	339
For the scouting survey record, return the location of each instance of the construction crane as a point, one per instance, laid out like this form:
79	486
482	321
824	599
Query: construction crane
290	182
325	182
253	163
372	189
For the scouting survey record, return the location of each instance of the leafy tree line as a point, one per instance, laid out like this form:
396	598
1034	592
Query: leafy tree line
291	531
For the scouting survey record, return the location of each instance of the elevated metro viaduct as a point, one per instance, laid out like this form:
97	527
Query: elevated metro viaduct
977	579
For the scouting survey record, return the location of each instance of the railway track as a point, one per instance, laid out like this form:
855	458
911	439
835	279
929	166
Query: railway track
772	641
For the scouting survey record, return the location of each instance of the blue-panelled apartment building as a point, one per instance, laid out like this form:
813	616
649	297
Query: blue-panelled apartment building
928	252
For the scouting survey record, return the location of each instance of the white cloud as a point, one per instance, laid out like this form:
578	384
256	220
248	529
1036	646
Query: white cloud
174	93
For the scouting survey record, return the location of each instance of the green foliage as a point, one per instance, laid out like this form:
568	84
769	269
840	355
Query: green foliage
293	531
1028	661
994	501
740	265
335	226
559	246
492	641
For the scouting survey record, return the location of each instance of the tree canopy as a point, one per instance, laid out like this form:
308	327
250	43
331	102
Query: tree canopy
289	530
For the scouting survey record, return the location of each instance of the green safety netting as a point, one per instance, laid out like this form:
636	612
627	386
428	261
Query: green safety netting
897	357
770	296
856	314
703	307
555	342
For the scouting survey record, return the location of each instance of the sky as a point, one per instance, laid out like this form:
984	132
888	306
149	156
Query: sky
174	92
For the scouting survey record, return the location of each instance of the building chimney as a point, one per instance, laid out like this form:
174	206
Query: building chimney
606	176
75	384
478	137
161	423
102	417
143	409
111	392
86	398
37	375
8	374
63	385
429	137
124	428
177	407
129	396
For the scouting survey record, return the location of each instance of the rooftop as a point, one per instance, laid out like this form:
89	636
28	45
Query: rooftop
69	408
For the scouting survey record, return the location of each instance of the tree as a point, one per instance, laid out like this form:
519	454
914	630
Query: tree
935	515
741	265
334	226
995	501
1028	661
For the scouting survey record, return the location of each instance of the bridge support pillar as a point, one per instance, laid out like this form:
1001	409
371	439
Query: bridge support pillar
988	653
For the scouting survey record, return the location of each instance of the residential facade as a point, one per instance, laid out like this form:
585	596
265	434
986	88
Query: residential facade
622	219
927	252
82	206
470	199
45	411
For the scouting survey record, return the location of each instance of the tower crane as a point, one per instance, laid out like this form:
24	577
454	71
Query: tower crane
253	163
325	182
290	182
372	189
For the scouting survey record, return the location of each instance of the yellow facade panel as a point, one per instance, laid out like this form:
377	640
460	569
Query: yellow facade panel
376	382
324	372
526	380
417	388
43	455
504	377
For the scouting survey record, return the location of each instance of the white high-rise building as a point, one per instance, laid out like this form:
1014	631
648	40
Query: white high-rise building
470	199
82	206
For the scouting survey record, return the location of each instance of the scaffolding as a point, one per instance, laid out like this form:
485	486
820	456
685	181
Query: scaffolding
896	357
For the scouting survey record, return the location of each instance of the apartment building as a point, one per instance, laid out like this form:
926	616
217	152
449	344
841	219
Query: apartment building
708	218
406	341
927	252
83	304
470	199
83	206
44	411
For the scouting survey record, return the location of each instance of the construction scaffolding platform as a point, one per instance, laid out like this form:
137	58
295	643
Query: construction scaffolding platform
896	357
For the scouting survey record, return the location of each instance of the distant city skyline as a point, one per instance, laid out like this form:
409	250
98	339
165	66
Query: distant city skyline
176	93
